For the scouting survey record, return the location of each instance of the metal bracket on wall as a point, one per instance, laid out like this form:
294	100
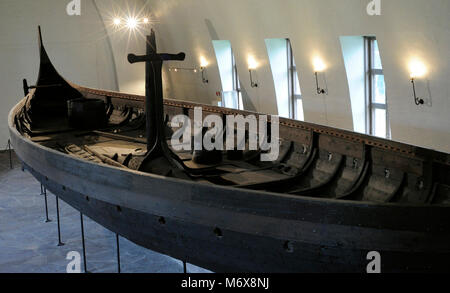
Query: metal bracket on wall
320	91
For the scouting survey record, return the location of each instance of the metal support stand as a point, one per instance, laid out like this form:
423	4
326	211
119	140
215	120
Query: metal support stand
59	224
84	244
118	253
44	193
10	154
184	267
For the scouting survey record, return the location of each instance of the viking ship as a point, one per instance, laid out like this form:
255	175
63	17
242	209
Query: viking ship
330	199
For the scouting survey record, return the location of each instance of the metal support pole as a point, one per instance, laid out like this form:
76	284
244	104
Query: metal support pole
59	224
118	253
44	192
184	267
82	241
10	154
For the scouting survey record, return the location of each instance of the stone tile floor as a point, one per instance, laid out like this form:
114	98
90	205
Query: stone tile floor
29	245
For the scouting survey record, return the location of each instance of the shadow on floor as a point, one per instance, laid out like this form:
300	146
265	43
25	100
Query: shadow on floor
29	245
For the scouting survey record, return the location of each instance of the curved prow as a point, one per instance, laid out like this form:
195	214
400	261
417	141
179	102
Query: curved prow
47	72
51	95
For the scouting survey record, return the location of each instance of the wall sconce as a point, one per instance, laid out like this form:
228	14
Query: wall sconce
319	66
252	65
417	69
176	69
417	100
203	64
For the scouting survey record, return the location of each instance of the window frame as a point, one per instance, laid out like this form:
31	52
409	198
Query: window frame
236	83
371	73
229	75
292	74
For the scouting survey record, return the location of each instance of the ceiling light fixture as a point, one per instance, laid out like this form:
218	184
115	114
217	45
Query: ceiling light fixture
132	23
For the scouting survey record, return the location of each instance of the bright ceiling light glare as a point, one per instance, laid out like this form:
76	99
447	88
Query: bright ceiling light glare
318	64
117	21
132	23
252	63
417	69
203	62
145	20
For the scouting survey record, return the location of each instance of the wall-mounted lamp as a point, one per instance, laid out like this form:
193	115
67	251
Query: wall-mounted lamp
417	100
252	65
203	64
417	69
319	66
176	69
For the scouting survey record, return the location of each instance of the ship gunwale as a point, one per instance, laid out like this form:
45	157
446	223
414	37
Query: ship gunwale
286	204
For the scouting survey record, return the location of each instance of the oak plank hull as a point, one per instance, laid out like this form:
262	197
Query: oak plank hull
351	194
229	230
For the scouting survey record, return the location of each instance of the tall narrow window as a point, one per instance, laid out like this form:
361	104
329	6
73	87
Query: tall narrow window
285	76
295	92
231	92
377	118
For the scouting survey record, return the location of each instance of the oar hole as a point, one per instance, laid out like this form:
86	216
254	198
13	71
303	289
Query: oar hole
387	173
289	247
162	220
218	232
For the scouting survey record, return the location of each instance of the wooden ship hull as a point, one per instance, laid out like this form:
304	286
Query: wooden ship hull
349	194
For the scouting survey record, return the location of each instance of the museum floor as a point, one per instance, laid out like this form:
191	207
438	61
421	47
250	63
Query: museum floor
29	245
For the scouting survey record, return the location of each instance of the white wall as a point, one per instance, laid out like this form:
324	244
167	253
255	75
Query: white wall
78	46
405	29
131	77
79	49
